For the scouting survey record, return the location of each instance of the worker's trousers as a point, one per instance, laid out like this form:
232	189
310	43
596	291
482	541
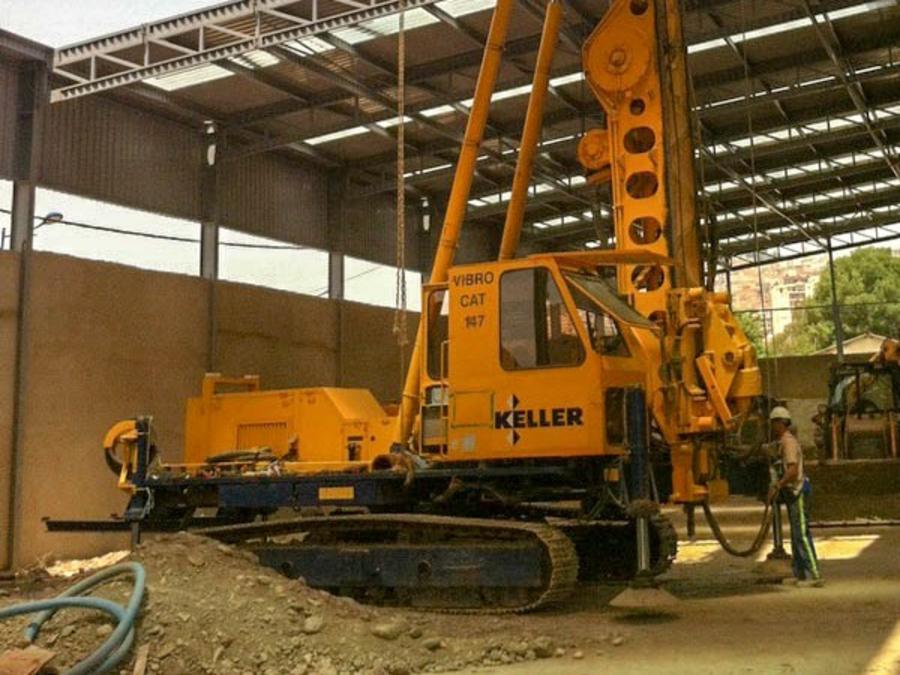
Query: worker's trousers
803	551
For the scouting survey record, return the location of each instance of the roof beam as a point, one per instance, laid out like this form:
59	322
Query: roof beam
832	47
78	62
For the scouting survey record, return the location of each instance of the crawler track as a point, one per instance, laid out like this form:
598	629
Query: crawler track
468	538
564	551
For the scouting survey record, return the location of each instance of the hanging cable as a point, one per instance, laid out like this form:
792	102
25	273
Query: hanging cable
400	304
766	320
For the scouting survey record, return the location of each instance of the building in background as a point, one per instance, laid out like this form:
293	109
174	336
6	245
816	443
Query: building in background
865	343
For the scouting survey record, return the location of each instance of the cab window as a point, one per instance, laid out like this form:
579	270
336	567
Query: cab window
536	329
603	331
437	311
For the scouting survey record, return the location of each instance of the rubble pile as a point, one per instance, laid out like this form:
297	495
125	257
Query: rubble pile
211	608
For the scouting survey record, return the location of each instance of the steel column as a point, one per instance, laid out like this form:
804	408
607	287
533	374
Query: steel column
22	218
835	308
335	275
209	238
32	91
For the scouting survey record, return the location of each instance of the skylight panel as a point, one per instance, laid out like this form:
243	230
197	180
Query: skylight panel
189	77
458	8
426	171
787	26
567	79
255	59
336	136
390	24
393	121
438	111
511	93
352	34
309	45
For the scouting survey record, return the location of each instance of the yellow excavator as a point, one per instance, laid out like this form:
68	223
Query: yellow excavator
544	396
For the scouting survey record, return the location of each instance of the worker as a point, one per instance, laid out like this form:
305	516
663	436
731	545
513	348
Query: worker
792	488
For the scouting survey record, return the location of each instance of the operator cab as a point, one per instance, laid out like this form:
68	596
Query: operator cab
529	358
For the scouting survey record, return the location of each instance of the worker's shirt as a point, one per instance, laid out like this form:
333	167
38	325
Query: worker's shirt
791	453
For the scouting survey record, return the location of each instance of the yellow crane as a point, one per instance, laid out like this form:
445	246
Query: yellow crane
518	460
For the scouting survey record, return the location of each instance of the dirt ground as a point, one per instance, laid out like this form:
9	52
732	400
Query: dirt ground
728	621
212	610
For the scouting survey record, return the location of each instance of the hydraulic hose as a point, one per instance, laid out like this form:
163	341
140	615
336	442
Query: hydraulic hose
725	544
116	647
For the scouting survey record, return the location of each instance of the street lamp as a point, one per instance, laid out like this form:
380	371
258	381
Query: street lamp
52	217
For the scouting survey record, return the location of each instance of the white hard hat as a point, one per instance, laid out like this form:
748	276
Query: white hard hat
779	412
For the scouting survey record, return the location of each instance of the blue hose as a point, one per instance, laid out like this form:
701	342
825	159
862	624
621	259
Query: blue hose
118	644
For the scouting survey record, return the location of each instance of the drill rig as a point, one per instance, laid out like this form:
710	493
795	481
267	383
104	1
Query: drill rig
518	460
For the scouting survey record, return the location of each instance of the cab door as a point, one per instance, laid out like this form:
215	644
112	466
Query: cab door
521	382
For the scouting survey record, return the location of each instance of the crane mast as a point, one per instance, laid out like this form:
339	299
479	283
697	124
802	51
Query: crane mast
635	64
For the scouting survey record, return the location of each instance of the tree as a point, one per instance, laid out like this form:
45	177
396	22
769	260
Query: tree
752	325
868	290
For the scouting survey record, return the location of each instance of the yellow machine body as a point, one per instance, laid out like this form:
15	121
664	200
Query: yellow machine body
313	429
529	358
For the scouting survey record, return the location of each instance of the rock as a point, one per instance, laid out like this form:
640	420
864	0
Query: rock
415	632
165	650
578	654
618	641
559	652
432	644
263	580
104	630
325	667
313	624
518	648
67	631
388	631
196	560
543	647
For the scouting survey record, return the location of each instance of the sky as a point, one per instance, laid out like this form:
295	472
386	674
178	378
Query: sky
62	22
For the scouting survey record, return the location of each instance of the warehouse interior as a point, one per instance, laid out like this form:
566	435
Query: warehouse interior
292	130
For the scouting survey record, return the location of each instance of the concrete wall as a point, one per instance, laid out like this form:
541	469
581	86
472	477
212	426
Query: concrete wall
288	340
803	382
9	272
106	342
370	353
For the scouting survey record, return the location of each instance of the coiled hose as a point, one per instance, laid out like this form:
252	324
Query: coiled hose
725	544
116	647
